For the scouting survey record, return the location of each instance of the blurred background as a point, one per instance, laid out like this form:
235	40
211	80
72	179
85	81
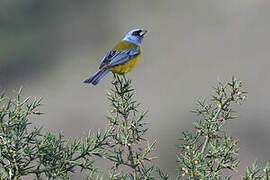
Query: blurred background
50	47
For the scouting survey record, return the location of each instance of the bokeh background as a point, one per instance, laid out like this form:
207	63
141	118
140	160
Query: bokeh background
50	47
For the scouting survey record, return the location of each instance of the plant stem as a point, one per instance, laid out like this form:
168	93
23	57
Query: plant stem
205	144
207	136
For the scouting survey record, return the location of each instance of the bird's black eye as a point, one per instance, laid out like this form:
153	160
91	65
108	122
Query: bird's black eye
136	33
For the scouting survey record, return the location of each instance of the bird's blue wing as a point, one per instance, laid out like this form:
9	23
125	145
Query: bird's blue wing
114	58
107	58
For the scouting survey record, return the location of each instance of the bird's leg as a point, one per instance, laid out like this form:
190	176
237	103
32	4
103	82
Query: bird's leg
118	79
125	80
114	82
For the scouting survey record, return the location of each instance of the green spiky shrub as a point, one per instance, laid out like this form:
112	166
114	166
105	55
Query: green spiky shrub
209	151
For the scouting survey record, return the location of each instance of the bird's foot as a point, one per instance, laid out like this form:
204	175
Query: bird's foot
114	81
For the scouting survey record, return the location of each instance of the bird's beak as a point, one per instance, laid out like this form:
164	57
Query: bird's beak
143	32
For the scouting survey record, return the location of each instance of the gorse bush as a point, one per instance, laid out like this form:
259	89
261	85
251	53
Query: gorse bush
208	151
25	150
48	156
204	154
256	173
126	133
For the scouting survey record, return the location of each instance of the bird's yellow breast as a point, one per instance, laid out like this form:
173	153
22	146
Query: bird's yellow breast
128	66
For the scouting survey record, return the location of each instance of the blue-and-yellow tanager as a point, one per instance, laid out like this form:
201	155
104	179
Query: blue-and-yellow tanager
122	58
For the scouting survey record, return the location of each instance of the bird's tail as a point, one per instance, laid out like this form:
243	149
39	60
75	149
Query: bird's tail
95	78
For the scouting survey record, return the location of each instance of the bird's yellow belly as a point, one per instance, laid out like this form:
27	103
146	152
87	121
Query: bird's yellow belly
126	67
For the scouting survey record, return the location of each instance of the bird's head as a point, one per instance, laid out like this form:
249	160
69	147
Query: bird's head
135	36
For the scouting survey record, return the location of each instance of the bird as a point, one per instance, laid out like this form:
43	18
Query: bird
122	58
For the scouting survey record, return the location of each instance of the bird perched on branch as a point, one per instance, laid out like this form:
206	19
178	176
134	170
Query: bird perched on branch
122	58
